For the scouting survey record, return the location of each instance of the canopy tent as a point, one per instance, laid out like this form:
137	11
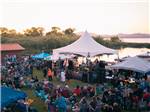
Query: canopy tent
48	58
9	96
65	56
84	46
61	56
135	64
40	56
145	54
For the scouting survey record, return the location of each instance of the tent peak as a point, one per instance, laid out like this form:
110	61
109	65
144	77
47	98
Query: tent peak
86	31
86	34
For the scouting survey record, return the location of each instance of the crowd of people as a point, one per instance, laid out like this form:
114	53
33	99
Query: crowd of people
99	95
86	72
15	70
99	98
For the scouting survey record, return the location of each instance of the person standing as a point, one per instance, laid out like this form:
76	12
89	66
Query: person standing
61	103
77	91
68	76
49	74
84	107
44	72
62	76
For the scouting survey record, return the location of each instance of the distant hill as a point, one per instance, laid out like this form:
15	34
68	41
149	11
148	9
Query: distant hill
136	35
135	38
129	38
120	35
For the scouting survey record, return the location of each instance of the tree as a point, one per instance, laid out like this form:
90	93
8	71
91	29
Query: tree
55	31
12	32
115	39
34	31
40	30
69	31
4	32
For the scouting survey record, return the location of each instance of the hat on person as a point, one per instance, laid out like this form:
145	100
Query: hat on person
58	86
67	86
74	94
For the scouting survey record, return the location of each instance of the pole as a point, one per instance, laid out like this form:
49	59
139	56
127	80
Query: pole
118	56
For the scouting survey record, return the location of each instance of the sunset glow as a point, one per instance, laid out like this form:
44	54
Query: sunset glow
103	17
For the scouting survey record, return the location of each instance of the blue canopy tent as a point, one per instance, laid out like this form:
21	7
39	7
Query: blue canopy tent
9	96
40	56
48	58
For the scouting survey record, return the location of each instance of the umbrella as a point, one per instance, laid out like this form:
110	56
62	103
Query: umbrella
9	96
40	56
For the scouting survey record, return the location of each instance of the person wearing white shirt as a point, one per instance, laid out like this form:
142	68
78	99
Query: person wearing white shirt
62	76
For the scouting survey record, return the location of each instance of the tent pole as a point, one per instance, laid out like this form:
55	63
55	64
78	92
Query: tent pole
99	58
118	56
27	108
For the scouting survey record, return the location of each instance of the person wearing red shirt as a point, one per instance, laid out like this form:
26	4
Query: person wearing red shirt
49	74
77	91
146	95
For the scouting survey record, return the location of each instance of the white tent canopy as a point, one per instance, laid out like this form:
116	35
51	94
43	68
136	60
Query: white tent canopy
61	56
134	64
147	54
85	46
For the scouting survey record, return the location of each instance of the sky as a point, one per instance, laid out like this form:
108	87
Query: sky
97	16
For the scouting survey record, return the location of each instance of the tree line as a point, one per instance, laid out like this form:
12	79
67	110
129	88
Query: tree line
35	39
34	32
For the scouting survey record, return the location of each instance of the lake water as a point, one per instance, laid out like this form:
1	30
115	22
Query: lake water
136	40
121	53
